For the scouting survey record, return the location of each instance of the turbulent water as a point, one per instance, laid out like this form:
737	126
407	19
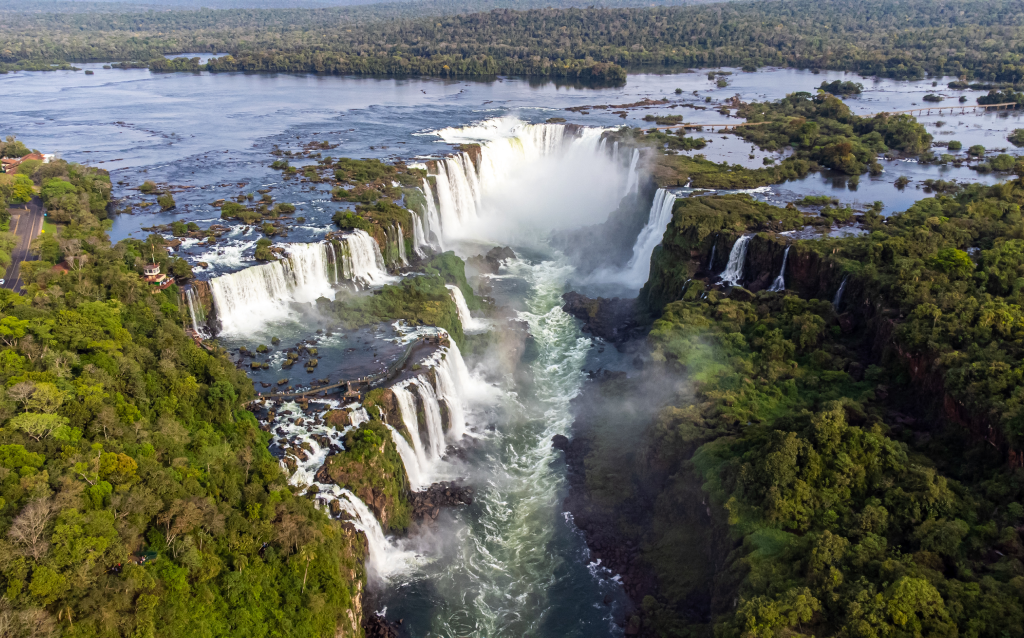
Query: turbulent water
515	556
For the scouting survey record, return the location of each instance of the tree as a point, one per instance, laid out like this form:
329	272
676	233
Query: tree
38	426
29	527
307	554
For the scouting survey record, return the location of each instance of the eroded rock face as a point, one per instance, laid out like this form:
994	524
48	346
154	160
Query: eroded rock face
428	503
614	320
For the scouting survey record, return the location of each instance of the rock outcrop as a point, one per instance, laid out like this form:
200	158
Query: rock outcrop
613	320
427	504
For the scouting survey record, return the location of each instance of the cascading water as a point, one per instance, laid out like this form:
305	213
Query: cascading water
411	462
407	409
432	416
633	180
401	244
780	282
431	220
711	262
463	180
514	547
839	294
249	299
469	324
733	273
638	267
195	310
384	557
362	260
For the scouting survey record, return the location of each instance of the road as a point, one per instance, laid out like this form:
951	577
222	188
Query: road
26	225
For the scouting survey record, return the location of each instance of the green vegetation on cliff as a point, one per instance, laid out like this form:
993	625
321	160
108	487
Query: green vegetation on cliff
855	471
137	497
371	468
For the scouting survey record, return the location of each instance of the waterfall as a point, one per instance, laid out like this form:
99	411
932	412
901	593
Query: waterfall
711	262
409	460
358	415
780	281
615	151
249	299
638	267
362	261
451	381
839	294
417	235
195	310
432	414
633	180
469	324
401	243
508	146
431	219
384	557
407	410
733	273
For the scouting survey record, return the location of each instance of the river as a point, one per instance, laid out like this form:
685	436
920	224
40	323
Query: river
511	564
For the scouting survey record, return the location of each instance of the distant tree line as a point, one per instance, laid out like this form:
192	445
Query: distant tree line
975	40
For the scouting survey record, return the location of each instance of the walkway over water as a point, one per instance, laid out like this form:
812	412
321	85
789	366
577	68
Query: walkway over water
368	381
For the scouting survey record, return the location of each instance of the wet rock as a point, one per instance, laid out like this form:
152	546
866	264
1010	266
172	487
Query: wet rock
560	442
491	262
428	503
613	320
378	627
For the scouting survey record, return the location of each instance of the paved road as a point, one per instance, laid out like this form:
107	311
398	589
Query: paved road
26	225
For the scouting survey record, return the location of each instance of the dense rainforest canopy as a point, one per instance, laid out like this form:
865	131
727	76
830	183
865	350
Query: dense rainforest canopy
137	497
979	40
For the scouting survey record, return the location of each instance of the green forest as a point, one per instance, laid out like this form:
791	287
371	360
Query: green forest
843	471
137	496
977	40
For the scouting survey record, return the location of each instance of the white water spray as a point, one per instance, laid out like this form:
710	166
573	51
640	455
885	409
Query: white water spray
362	261
780	282
518	170
733	273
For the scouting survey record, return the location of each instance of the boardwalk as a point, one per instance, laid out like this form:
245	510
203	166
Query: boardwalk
961	109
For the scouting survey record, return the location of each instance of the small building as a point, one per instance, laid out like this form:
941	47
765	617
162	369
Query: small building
10	165
151	270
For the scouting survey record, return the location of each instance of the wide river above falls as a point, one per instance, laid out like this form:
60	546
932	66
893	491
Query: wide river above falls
511	564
